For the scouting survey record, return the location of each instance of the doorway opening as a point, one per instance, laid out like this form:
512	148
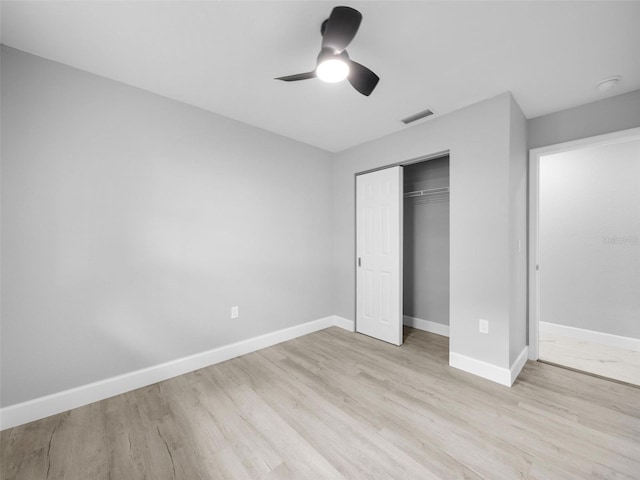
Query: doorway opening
585	255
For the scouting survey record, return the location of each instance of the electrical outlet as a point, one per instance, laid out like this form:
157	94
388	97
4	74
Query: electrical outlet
234	312
483	326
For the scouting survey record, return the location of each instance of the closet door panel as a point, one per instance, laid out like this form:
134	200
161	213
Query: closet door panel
379	249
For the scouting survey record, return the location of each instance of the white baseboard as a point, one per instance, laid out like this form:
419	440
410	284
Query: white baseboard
501	375
42	407
592	336
482	369
519	364
345	323
426	325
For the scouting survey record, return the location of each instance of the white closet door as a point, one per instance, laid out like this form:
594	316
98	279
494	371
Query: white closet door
379	252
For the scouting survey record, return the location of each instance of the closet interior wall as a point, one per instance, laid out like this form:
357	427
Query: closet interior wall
426	241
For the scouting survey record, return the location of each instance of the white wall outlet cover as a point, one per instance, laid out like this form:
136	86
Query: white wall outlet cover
483	326
234	312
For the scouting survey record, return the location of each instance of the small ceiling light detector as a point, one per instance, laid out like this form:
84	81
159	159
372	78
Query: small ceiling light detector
608	83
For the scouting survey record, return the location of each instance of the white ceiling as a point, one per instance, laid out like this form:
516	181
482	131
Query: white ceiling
223	56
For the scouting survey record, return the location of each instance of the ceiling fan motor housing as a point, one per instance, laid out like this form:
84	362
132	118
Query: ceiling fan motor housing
323	27
329	53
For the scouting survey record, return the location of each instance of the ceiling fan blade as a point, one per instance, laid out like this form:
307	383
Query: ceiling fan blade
298	76
362	79
341	27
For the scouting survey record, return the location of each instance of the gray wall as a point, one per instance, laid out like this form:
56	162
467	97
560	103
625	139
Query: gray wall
132	223
605	116
518	188
426	243
479	141
589	238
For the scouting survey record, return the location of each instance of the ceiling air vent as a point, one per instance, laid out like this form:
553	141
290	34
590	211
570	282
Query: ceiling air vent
417	116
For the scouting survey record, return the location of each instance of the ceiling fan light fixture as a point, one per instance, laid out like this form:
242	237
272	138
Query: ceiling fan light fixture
332	70
333	63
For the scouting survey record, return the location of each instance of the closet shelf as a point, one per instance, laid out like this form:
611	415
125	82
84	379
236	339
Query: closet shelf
424	193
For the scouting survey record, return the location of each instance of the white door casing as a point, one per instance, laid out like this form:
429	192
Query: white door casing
379	201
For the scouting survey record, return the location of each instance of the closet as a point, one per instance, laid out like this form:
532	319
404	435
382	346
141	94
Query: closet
402	249
426	245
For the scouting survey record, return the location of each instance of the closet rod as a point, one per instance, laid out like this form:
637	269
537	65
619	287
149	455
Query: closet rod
431	191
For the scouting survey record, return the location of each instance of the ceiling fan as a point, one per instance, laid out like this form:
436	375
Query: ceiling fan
333	63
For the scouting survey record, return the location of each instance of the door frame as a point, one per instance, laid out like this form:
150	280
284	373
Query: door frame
534	217
423	158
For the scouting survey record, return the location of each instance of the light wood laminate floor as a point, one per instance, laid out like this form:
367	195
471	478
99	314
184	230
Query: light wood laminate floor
337	405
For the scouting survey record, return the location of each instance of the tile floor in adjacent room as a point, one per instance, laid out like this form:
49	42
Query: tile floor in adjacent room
607	361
